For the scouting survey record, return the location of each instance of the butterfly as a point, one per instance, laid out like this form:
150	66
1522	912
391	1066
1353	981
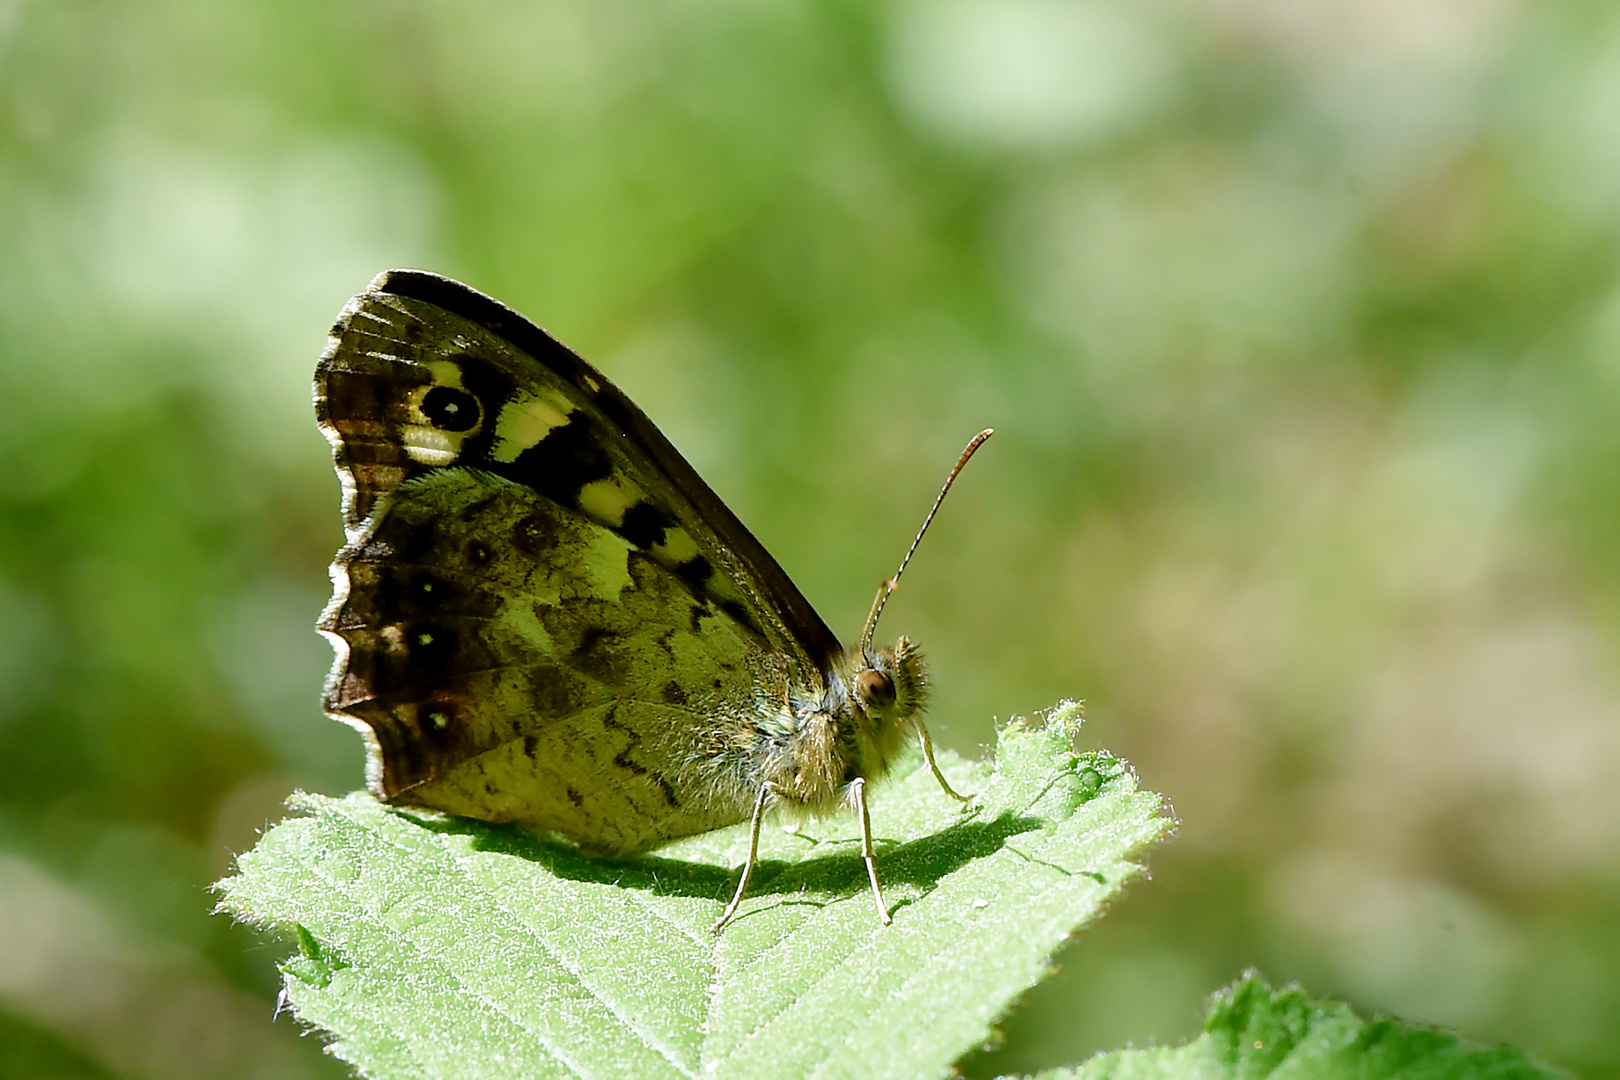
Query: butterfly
543	616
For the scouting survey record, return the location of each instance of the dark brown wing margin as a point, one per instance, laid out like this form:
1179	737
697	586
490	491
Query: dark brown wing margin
800	618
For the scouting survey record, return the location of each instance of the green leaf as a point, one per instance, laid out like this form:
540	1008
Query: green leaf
441	947
1253	1032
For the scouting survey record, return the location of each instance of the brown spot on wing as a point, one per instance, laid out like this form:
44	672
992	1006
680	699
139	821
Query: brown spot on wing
408	658
418	738
554	691
535	535
600	655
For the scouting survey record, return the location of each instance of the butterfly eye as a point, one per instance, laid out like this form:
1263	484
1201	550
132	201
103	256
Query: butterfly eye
875	688
450	409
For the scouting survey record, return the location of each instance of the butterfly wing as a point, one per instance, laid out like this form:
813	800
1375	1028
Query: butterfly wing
542	614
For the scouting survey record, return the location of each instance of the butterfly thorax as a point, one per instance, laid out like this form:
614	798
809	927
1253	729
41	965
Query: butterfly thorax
814	751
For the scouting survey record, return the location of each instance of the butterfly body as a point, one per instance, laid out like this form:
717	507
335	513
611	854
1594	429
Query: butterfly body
542	615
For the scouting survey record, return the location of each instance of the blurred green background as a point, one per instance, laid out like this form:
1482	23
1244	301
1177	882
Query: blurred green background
1299	322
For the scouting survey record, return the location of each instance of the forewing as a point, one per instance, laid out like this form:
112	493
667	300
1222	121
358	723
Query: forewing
422	372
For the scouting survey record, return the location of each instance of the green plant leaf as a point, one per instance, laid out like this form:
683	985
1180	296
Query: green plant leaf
441	947
1252	1032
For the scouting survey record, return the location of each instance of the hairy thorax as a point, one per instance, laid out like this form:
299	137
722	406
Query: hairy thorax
812	750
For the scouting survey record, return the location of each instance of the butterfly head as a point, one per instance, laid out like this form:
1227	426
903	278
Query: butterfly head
890	684
886	690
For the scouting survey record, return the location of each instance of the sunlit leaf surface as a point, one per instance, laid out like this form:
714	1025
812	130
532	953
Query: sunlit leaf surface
433	947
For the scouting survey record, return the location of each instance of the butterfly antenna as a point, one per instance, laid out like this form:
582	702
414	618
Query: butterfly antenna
890	585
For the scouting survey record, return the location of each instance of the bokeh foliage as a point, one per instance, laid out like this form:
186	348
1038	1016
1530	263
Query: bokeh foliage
1300	324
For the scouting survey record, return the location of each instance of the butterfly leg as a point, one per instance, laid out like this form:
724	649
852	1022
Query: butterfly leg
928	756
857	791
765	791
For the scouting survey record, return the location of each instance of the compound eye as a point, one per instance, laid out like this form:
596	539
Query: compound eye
875	688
